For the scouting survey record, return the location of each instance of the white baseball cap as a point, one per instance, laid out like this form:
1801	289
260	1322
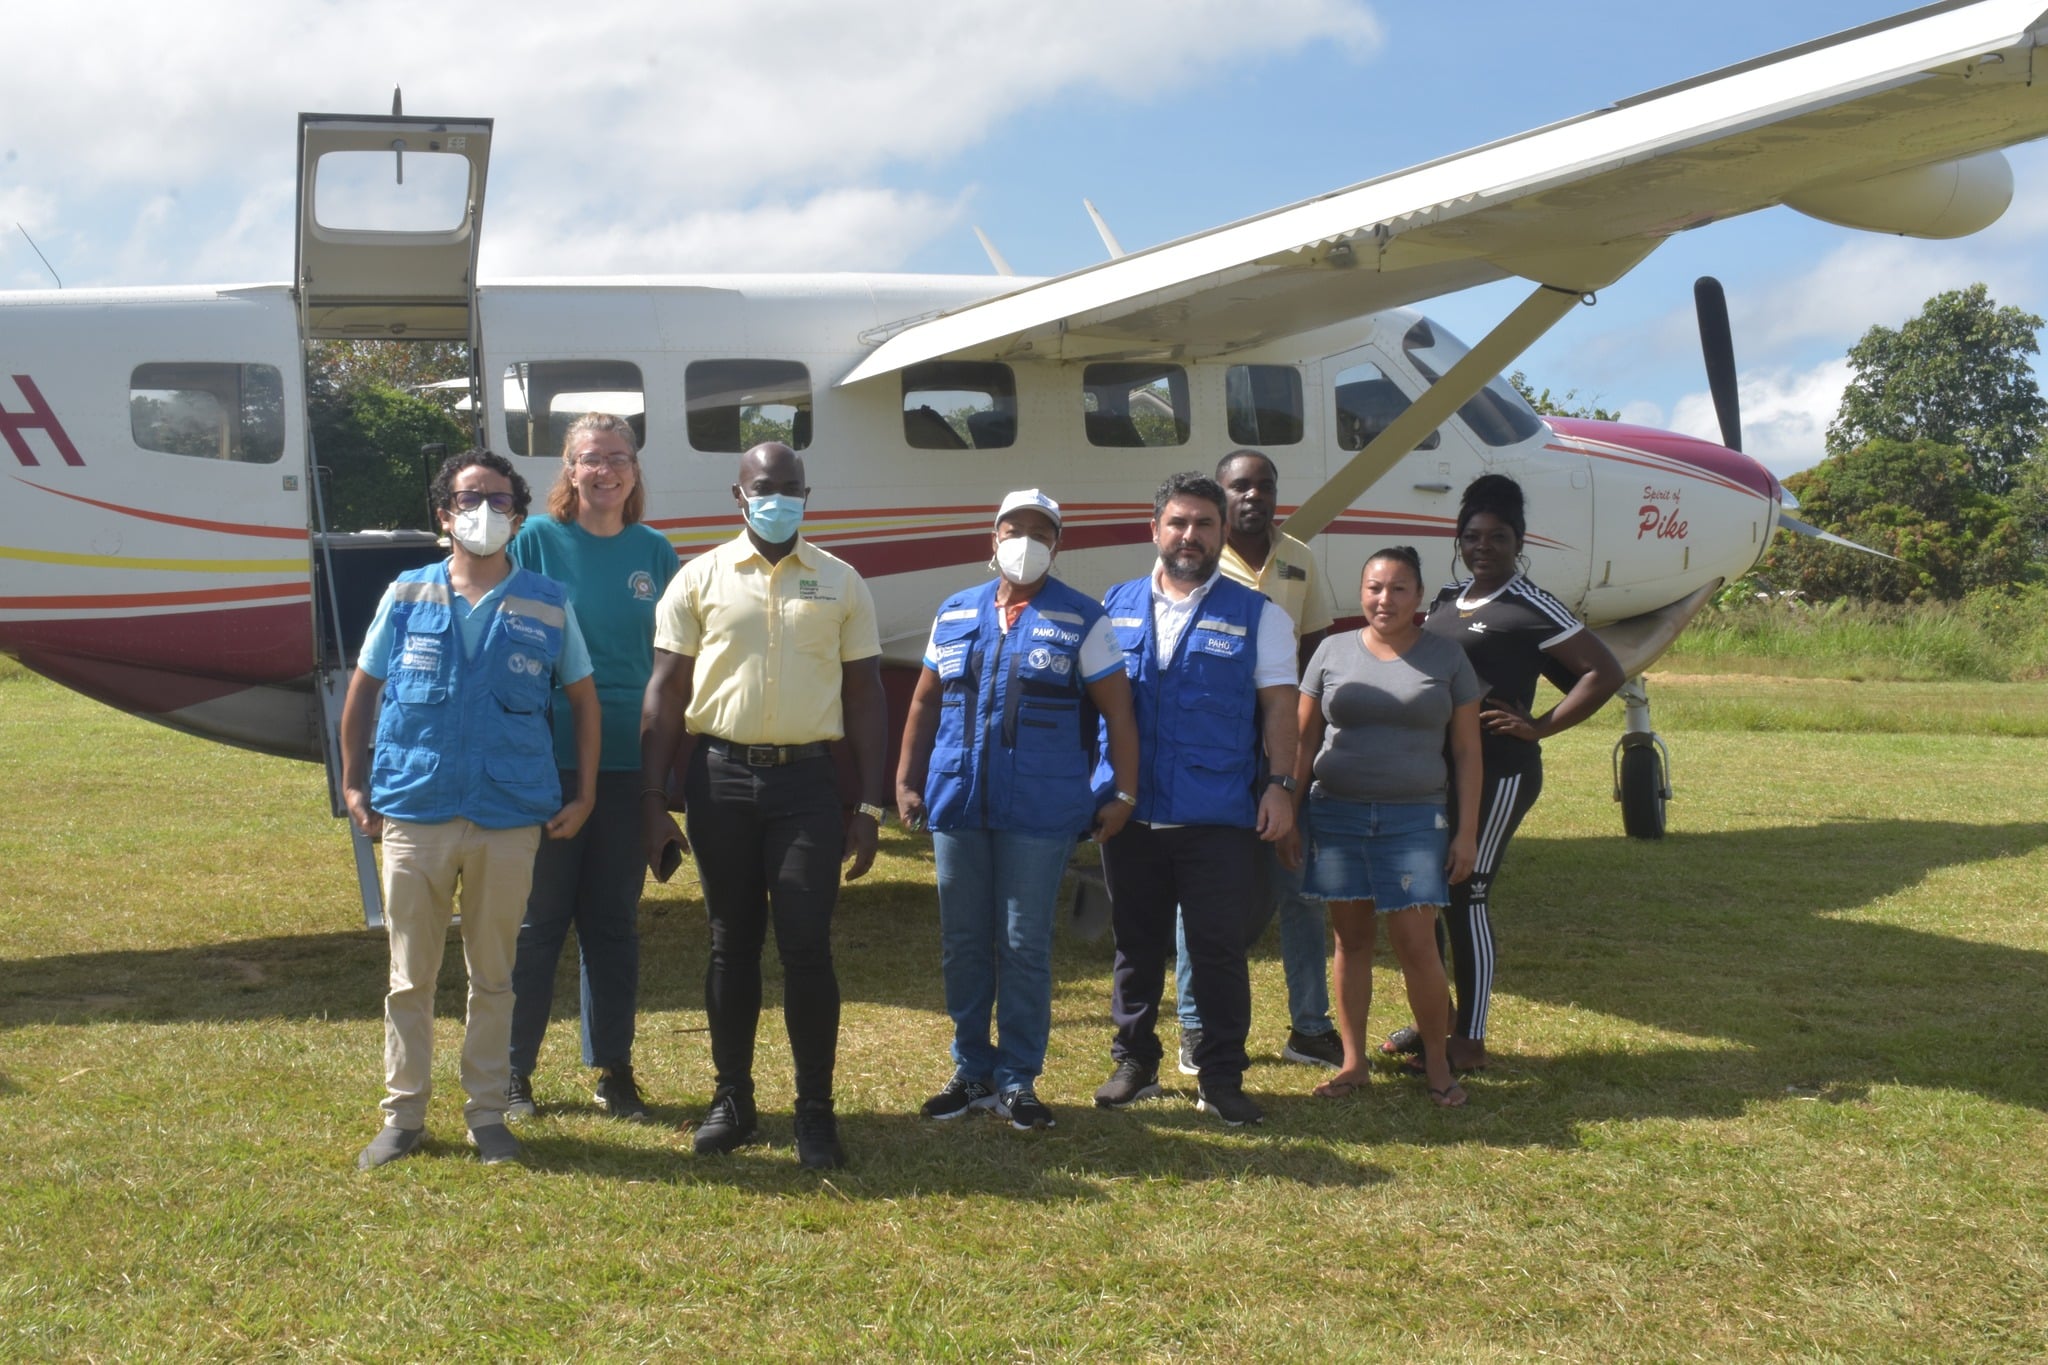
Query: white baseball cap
1033	499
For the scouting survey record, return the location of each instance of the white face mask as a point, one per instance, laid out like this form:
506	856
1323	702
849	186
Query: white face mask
1023	560
482	530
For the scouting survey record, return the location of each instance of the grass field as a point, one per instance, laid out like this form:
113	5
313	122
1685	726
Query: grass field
1770	1088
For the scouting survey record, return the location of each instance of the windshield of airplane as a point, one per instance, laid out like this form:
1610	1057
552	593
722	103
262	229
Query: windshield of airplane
1496	414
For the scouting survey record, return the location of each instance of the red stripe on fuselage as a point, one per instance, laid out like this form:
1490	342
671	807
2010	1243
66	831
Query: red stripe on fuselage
155	664
128	601
232	528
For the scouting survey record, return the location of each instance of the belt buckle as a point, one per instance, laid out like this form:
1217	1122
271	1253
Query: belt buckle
763	755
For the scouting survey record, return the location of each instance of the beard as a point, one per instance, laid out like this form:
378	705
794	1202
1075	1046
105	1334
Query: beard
1190	565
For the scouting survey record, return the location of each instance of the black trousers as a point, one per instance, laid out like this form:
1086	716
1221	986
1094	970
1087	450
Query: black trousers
767	843
1214	875
1466	928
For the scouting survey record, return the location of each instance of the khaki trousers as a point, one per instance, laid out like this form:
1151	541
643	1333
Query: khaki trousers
423	866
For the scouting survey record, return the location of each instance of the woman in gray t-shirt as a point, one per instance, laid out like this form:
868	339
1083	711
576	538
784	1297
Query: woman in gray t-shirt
1376	707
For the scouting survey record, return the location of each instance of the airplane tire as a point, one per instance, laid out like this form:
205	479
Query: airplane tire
1642	793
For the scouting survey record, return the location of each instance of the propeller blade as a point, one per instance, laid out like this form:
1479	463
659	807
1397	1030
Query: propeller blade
1718	348
1799	527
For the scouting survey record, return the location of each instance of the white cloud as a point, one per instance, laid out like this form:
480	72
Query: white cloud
1785	413
645	128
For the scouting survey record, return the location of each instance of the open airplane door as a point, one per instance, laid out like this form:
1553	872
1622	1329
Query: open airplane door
390	213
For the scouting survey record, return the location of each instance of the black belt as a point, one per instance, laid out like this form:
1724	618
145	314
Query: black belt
767	755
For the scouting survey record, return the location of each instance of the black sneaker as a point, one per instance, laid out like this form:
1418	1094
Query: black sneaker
817	1136
619	1096
1190	1043
1022	1108
961	1096
1130	1082
1229	1103
731	1123
519	1098
1314	1049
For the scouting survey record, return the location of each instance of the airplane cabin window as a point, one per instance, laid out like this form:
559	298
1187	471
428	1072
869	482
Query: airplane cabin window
959	405
361	191
1497	414
207	410
543	397
1264	404
1366	402
734	405
1135	404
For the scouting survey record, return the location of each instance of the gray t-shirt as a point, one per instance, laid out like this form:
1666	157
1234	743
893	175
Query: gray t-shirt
1385	721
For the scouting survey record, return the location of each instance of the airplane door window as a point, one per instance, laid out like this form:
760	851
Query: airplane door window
208	410
959	405
1135	405
1366	402
734	405
543	397
1264	404
1496	414
357	191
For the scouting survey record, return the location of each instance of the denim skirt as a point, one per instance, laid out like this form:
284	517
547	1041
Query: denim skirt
1388	852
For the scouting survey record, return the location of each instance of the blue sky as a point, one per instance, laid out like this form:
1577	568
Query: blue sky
642	137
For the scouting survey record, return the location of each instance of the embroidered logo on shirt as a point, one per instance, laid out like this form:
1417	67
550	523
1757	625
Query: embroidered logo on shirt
809	590
1048	632
523	627
422	654
1062	665
527	664
1039	658
641	585
1224	645
1293	571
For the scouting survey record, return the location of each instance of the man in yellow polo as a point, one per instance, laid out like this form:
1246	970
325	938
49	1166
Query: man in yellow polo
765	651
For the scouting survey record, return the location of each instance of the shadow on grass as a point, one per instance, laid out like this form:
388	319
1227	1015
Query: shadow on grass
1755	955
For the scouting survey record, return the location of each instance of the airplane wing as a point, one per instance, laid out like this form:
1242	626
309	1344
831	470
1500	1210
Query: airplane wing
1572	206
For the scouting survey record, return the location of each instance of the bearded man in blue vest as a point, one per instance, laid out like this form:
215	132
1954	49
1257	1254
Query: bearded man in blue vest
1213	682
454	674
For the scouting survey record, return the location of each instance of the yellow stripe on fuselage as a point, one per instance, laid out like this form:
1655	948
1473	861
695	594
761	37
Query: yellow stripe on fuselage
266	566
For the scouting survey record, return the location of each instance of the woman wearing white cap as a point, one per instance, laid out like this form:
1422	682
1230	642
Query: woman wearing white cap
997	757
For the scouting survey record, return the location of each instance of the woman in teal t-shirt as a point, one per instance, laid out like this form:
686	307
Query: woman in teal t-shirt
615	568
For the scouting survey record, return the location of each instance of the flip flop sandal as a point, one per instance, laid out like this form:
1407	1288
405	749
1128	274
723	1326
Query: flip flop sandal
1412	1066
1402	1042
1442	1098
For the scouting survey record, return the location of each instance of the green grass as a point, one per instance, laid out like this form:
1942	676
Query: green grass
1990	636
1769	1088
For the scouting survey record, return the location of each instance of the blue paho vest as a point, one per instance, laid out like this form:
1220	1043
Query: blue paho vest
469	737
1198	719
1016	739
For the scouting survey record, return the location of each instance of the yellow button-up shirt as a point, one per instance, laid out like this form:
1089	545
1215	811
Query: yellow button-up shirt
768	639
1288	579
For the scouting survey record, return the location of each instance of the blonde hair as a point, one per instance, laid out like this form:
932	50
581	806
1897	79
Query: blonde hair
563	504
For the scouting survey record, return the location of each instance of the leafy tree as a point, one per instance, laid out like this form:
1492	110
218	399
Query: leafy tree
369	437
1959	375
1917	500
1559	407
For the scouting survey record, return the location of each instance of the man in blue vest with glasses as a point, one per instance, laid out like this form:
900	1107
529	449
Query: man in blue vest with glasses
1213	680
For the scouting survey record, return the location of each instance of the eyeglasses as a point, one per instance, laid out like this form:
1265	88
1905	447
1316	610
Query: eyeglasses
469	499
616	461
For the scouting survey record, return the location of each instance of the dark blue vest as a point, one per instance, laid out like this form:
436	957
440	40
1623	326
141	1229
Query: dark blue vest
1016	738
469	737
1198	720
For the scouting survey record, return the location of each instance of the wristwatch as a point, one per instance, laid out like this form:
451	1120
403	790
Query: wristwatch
1284	781
872	811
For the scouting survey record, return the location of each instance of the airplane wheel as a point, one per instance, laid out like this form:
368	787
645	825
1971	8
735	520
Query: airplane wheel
1642	793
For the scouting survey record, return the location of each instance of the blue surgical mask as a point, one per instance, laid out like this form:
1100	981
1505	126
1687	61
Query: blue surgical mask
775	517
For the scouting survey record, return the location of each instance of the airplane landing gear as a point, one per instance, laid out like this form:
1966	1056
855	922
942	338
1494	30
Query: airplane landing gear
1642	767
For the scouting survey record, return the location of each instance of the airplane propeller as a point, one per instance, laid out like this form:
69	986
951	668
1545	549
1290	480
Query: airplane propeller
1717	347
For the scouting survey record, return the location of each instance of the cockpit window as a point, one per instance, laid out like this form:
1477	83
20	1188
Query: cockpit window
1263	403
209	410
1366	402
1496	414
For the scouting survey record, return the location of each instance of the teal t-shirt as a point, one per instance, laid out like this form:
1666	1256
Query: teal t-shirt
613	582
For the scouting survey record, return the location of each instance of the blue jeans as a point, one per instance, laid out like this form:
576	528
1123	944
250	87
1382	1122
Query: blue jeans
997	889
1304	956
592	882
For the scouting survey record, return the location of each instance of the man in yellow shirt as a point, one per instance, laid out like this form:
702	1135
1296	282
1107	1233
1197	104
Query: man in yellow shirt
765	651
1261	556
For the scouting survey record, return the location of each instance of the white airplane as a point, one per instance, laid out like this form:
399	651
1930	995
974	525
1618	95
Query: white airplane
164	543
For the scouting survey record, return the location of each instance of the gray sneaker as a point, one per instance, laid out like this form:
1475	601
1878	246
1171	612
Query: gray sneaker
1190	1044
389	1145
1130	1082
495	1145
